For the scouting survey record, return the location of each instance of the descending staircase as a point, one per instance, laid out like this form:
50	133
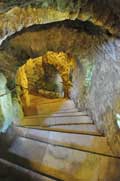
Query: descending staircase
66	146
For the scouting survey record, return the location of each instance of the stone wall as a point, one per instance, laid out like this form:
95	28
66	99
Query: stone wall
6	108
22	87
34	72
10	109
104	96
100	95
78	86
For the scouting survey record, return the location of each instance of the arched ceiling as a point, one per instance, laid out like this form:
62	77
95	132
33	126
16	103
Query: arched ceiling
16	15
73	37
36	69
81	40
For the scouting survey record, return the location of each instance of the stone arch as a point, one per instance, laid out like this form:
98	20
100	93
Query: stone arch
57	37
61	61
17	17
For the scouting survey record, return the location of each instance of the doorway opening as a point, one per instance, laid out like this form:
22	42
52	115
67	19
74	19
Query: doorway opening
44	83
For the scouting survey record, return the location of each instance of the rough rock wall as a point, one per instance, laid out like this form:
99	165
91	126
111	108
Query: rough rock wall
104	96
10	109
18	15
78	86
22	87
8	65
18	18
101	98
82	76
34	72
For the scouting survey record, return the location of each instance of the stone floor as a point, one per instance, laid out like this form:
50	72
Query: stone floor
66	163
65	145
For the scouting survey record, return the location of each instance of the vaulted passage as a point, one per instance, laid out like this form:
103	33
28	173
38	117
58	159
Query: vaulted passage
50	72
59	90
43	79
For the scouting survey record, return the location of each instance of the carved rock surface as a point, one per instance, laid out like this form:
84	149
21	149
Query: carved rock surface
17	15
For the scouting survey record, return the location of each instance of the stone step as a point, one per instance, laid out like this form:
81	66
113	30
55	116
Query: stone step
65	110
72	111
67	120
75	141
68	104
71	114
13	172
87	129
63	163
64	114
51	121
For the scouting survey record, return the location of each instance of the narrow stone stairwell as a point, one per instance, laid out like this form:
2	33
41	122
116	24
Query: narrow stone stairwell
65	146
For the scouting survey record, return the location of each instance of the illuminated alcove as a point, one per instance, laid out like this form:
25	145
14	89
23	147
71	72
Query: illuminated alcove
48	76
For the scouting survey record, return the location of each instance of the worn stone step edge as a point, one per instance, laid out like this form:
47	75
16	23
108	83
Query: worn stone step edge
55	174
24	171
54	124
92	133
53	115
59	112
54	121
42	168
63	112
58	120
63	144
66	124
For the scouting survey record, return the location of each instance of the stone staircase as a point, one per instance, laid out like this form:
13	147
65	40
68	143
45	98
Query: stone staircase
66	146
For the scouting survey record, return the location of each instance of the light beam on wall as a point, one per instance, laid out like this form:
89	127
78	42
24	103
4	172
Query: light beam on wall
118	120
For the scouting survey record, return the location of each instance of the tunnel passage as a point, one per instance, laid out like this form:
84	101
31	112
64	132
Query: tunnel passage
71	37
48	75
96	55
40	128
